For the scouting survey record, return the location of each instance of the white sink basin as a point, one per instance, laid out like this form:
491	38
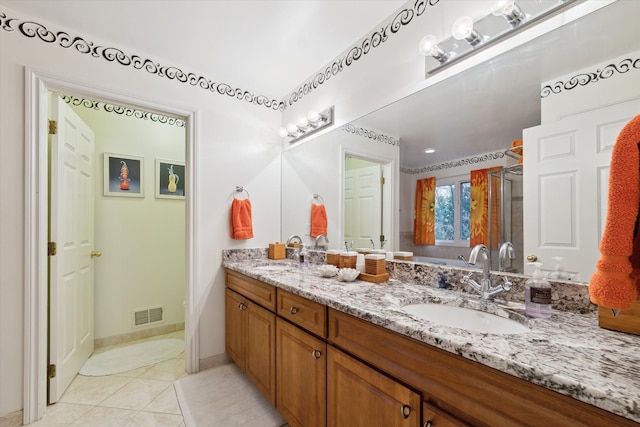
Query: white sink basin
274	267
465	318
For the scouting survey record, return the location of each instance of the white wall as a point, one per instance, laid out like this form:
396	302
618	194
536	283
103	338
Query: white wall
142	240
238	145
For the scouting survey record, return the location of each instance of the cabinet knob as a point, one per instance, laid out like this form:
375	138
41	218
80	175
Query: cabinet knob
427	424
406	411
317	354
293	310
241	306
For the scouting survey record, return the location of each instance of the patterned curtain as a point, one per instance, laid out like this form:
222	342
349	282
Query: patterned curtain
425	215
479	217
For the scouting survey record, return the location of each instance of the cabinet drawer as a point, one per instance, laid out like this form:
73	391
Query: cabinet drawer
307	314
434	417
257	291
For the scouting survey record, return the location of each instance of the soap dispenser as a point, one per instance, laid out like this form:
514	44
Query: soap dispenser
559	273
537	294
303	256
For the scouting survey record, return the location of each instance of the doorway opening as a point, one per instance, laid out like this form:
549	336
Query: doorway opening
37	206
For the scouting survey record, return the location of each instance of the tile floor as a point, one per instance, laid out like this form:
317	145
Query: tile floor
139	398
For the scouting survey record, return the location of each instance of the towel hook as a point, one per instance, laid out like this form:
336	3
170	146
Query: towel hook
240	189
317	196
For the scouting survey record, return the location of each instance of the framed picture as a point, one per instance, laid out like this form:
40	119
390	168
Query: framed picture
123	175
169	180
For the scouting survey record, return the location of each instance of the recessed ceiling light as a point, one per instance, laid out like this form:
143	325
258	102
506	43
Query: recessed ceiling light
429	150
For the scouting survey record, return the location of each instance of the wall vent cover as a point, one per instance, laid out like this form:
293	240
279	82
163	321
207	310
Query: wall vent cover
145	316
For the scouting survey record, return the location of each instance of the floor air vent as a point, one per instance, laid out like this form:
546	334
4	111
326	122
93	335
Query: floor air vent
149	315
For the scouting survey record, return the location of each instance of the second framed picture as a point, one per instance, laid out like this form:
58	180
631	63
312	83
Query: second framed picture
169	179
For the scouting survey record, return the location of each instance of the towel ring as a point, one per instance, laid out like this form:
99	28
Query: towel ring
240	189
317	196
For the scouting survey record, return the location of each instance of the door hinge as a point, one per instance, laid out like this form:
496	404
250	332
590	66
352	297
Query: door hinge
51	371
382	180
53	127
51	248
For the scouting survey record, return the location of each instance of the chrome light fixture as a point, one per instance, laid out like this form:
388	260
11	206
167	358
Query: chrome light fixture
429	46
307	125
511	12
463	29
501	21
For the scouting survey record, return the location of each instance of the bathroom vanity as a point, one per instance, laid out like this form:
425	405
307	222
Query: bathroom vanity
329	353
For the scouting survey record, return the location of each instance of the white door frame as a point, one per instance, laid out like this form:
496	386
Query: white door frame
36	210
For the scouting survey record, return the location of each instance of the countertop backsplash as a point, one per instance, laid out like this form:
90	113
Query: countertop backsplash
566	295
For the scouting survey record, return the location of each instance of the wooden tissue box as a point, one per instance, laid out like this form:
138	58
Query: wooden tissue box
348	261
626	321
333	258
375	264
277	251
403	256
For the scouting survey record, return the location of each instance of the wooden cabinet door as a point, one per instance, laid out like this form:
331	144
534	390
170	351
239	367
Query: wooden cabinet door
358	395
260	360
302	375
235	342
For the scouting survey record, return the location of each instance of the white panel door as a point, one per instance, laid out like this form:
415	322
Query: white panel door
565	180
71	227
363	206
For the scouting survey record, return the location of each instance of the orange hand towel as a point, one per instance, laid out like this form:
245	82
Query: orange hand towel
318	220
614	284
241	224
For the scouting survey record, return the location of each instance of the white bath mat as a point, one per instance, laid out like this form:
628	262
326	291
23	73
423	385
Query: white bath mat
224	397
131	357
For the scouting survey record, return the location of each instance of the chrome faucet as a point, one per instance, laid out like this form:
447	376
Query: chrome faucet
293	237
318	246
373	244
483	288
507	251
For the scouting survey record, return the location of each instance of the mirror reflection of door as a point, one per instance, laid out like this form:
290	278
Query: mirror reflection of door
364	201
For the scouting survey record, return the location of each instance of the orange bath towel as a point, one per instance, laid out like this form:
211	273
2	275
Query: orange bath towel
241	223
318	220
615	282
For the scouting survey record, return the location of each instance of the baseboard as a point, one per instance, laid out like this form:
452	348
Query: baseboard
215	361
138	335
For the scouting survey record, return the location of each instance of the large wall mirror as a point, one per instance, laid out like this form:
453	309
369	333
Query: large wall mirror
466	118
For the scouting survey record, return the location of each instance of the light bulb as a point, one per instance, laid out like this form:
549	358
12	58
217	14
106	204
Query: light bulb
429	46
430	150
303	122
511	12
283	132
463	29
313	116
292	129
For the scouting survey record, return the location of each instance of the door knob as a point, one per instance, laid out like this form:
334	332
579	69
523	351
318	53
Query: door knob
96	254
532	258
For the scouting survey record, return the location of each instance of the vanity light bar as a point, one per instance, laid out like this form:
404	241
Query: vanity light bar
450	50
307	125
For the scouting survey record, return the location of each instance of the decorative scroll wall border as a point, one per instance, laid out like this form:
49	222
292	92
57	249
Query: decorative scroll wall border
366	133
402	18
118	109
583	79
455	163
33	30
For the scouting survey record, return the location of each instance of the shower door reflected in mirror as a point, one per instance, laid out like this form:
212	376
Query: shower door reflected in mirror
365	198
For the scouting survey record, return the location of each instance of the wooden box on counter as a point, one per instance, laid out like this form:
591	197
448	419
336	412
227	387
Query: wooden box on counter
626	321
277	251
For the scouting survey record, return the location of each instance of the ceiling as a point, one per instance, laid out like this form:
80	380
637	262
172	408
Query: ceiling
267	47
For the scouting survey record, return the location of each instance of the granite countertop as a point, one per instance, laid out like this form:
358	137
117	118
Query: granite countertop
567	353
